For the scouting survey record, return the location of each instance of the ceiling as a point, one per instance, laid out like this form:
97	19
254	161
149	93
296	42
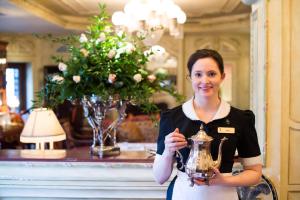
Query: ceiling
61	16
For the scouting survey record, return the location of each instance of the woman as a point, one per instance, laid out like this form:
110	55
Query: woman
206	71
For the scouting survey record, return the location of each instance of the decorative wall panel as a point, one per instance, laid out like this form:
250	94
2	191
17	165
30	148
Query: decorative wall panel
294	158
295	60
293	195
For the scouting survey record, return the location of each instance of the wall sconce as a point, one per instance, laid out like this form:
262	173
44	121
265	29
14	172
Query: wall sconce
42	127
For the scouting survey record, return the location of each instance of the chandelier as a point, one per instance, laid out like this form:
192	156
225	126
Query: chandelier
150	18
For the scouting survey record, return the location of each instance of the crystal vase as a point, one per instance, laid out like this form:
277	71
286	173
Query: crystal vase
104	138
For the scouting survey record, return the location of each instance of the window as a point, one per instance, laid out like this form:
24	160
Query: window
15	76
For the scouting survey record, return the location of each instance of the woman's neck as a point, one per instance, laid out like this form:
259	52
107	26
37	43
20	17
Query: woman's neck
206	108
207	104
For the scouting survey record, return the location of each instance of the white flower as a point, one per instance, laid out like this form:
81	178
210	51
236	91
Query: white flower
129	48
120	33
62	67
84	52
151	78
137	78
111	54
120	51
83	38
58	79
76	79
101	38
112	78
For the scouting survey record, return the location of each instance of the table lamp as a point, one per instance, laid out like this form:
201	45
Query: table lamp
42	127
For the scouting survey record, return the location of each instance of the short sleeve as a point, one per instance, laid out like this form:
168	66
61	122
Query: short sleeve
248	147
165	127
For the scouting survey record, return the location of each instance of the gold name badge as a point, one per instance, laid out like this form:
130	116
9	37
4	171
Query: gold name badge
230	130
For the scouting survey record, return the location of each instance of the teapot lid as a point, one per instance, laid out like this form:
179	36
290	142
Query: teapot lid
201	136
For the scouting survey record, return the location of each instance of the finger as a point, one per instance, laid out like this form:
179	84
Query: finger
176	131
176	145
199	182
176	139
216	171
175	134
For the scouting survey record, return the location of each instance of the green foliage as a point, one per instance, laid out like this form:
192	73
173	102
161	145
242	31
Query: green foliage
105	63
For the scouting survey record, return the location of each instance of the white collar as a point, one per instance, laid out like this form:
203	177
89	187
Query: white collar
189	111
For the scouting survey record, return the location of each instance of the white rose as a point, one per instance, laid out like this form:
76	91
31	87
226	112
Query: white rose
111	54
151	78
62	67
137	78
76	79
83	38
112	78
129	48
120	51
120	33
58	79
101	38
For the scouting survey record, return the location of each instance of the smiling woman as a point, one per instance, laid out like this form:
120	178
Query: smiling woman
208	111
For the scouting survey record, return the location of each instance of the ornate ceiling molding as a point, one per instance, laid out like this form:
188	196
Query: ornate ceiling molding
230	5
77	23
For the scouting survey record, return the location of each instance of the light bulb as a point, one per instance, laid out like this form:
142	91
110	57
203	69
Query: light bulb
118	18
181	17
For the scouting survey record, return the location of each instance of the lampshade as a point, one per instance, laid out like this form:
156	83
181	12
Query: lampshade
42	127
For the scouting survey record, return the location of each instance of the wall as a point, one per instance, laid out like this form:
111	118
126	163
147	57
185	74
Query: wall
282	95
33	51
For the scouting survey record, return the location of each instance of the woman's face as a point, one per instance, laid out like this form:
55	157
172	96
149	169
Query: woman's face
206	78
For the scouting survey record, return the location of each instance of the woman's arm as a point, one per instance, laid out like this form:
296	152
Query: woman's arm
250	176
163	164
162	167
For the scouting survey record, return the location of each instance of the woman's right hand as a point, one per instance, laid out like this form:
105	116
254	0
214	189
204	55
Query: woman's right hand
174	141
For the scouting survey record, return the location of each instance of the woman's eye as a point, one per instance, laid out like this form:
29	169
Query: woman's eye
197	75
212	74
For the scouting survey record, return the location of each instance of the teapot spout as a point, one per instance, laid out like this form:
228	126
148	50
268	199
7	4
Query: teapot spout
217	163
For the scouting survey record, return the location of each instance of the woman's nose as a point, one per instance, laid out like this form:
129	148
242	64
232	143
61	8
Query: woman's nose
204	79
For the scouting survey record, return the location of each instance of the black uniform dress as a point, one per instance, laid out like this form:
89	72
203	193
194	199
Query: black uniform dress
242	135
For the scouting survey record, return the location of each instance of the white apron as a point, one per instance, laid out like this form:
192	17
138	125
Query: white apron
183	191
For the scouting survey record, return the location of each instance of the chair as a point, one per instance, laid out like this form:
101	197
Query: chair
264	190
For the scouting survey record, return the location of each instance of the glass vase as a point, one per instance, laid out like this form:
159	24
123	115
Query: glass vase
104	138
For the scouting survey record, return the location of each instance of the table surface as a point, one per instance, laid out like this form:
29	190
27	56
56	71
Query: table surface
73	155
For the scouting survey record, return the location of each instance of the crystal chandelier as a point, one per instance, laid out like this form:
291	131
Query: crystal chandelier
150	18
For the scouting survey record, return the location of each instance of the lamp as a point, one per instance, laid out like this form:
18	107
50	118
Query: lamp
151	18
42	127
3	52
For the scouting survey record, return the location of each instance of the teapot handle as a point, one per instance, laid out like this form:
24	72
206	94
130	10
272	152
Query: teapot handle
179	155
189	143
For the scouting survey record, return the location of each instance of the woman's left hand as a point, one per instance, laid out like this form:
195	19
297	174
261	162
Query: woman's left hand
218	179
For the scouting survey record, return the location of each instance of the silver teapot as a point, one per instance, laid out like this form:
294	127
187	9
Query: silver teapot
200	163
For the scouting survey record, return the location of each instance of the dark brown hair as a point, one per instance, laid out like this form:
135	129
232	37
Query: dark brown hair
205	53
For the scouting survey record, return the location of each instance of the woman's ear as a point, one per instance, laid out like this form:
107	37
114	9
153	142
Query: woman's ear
223	76
188	77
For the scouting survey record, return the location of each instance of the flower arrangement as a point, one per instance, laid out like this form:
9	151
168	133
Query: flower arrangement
106	63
